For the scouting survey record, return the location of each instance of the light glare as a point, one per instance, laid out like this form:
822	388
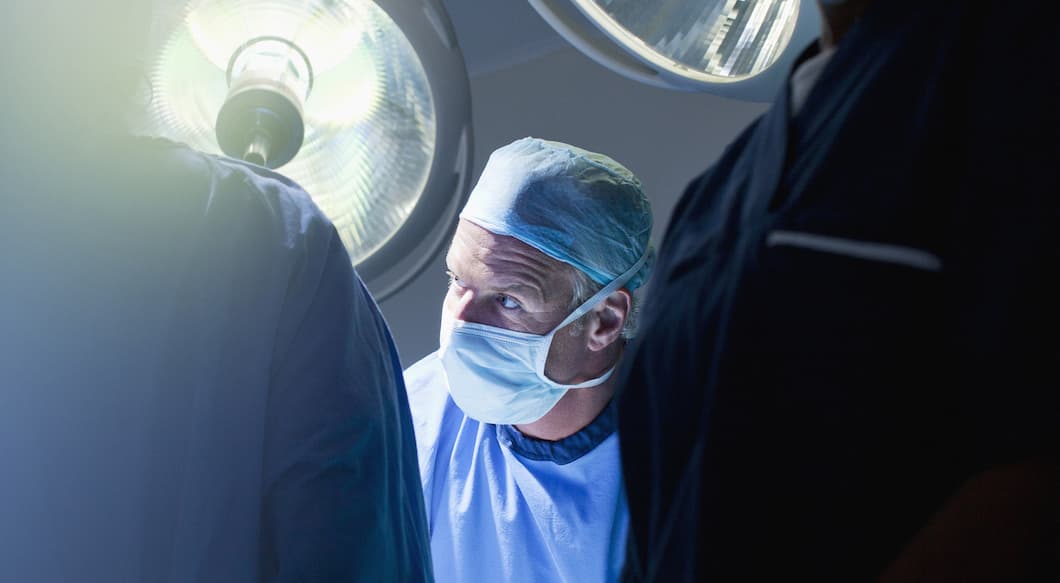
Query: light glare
369	116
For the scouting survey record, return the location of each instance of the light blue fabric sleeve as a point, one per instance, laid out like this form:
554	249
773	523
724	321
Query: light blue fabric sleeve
429	401
496	515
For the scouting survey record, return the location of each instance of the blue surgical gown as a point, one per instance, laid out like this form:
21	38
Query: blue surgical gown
855	310
194	384
505	507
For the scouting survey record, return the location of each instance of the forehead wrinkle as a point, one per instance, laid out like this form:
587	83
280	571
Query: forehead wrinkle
513	263
515	270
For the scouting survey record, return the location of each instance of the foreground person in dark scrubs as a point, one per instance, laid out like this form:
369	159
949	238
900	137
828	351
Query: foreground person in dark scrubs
847	368
195	386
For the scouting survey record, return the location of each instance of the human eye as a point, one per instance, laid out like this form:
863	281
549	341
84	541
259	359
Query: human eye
453	279
508	302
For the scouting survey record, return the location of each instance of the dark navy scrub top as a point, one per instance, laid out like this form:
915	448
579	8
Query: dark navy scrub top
194	383
856	309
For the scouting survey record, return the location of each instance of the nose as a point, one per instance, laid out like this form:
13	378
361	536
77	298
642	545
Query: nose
460	304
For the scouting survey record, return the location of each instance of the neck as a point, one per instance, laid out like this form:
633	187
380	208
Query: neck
578	407
838	19
574	411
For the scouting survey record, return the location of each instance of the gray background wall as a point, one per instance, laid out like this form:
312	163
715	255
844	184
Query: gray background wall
531	84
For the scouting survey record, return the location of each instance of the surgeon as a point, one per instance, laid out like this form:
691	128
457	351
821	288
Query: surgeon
195	386
514	418
848	365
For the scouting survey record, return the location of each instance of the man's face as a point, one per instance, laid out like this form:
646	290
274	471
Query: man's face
502	282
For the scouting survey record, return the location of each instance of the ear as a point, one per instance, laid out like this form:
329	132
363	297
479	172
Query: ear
608	320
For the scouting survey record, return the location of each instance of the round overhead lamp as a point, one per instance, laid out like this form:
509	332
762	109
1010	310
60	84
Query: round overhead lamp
363	103
734	48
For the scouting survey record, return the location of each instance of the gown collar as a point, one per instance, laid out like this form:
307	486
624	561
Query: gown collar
566	450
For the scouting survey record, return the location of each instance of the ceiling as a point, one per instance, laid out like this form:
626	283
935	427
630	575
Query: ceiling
498	34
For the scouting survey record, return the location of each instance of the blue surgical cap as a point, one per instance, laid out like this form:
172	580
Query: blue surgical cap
573	205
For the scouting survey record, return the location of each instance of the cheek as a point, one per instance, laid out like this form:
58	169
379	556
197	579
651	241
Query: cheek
444	329
449	300
565	354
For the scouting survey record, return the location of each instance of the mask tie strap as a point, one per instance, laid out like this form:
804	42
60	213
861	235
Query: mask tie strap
615	285
580	311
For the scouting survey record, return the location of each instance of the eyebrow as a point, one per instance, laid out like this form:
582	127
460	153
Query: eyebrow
522	287
515	286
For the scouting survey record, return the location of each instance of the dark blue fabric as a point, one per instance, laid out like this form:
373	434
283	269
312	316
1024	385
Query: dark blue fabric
194	383
792	412
565	450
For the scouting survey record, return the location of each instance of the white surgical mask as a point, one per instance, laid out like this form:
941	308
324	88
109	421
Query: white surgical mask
498	376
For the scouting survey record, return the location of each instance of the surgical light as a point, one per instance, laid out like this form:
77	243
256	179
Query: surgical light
366	105
734	48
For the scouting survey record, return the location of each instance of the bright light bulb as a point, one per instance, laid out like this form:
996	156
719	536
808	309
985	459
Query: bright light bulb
328	31
365	99
721	41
